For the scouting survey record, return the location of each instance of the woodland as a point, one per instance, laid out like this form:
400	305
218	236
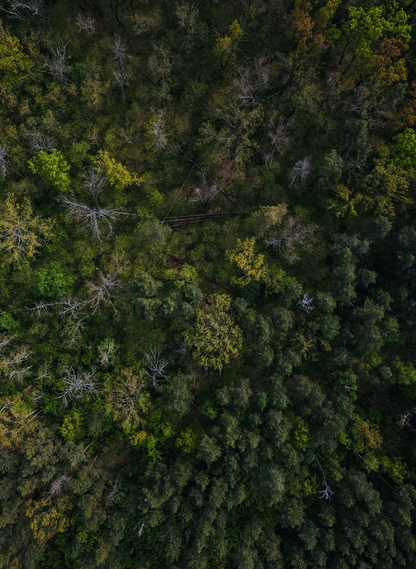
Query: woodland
207	284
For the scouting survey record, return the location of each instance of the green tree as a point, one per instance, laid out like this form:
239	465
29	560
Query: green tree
215	338
53	168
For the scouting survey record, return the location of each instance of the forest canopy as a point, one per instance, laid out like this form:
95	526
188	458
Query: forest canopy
207	284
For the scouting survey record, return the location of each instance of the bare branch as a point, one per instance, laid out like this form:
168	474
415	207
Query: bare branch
300	170
294	233
4	162
306	303
57	66
104	292
156	366
24	10
91	216
59	485
77	385
85	24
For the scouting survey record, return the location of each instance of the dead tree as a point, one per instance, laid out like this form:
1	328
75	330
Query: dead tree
122	73
91	217
104	292
293	234
95	181
4	162
25	10
60	485
77	385
206	192
279	139
85	24
300	170
106	350
42	142
249	85
156	366
158	133
58	66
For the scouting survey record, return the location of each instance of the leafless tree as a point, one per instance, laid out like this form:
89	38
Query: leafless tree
19	357
104	292
293	234
4	342
114	493
77	385
306	303
279	138
72	306
59	485
249	85
18	374
24	10
72	331
158	132
300	170
91	217
41	141
85	24
41	308
95	181
326	492
206	192
57	66
156	366
4	162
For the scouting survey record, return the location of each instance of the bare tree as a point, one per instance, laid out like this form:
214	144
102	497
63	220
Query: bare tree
77	385
71	306
156	366
95	181
18	374
85	24
104	292
25	10
300	170
279	138
19	357
158	132
91	217
293	234
306	303
41	141
58	66
249	85
60	485
4	162
44	372
206	192
4	342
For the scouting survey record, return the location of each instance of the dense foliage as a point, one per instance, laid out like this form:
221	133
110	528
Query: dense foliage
207	276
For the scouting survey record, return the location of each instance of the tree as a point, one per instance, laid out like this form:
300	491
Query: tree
289	237
85	24
300	170
53	168
215	338
156	366
21	233
15	66
128	402
58	66
225	48
77	385
53	283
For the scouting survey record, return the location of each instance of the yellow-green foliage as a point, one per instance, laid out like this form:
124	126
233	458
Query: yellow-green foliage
215	338
71	427
301	436
226	46
15	66
247	261
302	485
118	175
21	233
395	468
365	436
